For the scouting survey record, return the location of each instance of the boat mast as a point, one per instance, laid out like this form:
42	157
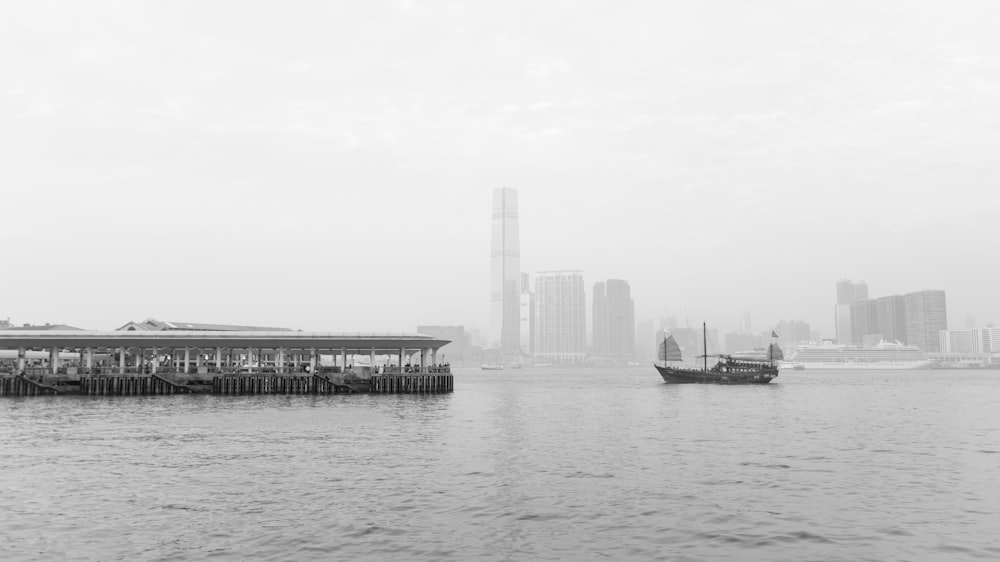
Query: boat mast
704	346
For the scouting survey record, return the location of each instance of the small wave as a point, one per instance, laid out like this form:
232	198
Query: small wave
762	465
581	474
798	536
539	517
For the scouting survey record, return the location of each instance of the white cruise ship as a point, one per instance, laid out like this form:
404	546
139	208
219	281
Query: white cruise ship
884	355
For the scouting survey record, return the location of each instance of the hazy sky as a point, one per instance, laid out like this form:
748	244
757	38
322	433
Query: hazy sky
329	166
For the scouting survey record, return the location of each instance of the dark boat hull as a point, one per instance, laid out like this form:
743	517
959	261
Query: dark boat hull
673	375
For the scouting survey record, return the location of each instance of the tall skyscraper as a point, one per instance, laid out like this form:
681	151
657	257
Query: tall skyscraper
926	315
745	326
848	293
505	265
891	318
614	320
560	317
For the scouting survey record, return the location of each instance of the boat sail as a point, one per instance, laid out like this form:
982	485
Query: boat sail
726	371
669	350
774	353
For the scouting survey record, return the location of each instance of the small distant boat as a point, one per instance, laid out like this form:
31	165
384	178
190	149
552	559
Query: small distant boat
491	367
726	371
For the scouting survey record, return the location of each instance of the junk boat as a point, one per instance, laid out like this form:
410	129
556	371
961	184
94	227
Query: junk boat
726	371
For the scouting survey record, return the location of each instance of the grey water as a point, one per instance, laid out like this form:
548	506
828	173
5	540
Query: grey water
542	464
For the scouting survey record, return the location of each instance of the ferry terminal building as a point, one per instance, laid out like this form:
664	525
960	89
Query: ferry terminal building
190	357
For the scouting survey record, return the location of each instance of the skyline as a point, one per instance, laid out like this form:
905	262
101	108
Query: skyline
184	163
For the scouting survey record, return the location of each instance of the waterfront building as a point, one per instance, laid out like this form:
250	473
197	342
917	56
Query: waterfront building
129	362
926	316
505	273
985	340
560	317
956	341
613	316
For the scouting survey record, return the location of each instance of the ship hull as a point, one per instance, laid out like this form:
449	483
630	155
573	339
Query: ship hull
859	366
673	375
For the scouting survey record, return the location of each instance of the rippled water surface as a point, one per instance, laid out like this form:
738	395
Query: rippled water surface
515	465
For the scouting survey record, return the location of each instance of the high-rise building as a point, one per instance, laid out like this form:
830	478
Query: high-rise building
505	266
614	320
599	317
745	326
560	317
527	315
891	318
926	315
848	293
864	321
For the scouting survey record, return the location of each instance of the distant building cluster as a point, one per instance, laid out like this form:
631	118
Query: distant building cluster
913	319
975	340
545	321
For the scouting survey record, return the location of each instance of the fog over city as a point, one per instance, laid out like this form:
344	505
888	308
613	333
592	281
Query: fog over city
331	167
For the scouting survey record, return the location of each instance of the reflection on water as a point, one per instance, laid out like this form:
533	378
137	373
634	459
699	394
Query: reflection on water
542	465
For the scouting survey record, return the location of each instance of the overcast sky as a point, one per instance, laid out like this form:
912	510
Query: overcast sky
329	166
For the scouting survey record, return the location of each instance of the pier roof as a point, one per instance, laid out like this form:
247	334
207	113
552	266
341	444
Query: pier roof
186	338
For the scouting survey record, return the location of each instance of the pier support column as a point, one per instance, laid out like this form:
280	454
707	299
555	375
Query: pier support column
343	360
187	360
54	360
218	359
156	360
89	361
197	359
21	353
423	360
434	356
401	354
279	359
312	360
121	360
371	361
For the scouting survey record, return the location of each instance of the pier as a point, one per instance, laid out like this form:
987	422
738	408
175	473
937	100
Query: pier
141	363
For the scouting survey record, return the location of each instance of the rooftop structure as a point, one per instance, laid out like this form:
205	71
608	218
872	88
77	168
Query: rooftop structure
80	339
44	328
153	324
